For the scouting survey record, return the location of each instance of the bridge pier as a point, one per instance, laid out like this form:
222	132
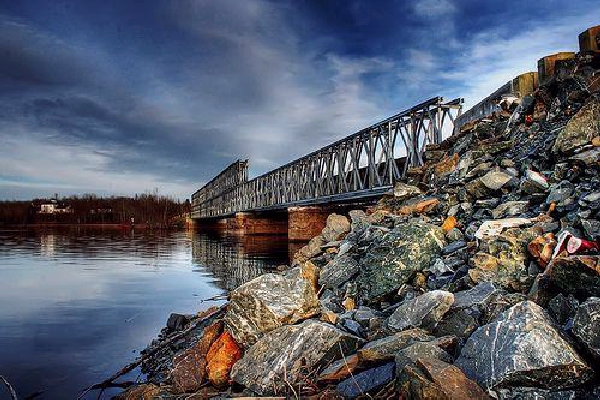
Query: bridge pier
306	222
247	223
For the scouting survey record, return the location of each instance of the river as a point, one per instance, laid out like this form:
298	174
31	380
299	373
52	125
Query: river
77	305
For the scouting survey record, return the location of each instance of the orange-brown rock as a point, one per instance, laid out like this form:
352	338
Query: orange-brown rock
189	367
418	206
596	141
448	164
541	248
349	304
449	224
451	381
329	317
223	353
140	392
310	272
207	312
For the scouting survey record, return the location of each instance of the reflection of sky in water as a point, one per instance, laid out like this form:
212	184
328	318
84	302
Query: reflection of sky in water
73	308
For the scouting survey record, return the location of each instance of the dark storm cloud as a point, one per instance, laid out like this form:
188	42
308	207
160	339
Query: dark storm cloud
118	97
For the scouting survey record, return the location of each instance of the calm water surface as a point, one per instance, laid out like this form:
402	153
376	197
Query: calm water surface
75	307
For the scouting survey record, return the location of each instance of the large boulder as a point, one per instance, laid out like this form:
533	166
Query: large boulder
282	356
503	260
522	347
335	228
580	130
424	311
268	302
397	256
586	326
575	275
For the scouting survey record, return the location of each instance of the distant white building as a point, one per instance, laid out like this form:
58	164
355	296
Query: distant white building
54	207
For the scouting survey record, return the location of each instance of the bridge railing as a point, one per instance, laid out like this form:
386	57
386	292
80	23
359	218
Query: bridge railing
357	165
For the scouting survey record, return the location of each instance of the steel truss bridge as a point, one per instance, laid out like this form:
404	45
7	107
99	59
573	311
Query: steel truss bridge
362	165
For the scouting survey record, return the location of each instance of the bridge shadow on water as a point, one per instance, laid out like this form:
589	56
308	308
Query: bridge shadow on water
235	260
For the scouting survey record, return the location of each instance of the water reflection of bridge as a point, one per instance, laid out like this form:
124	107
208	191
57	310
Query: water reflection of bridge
236	260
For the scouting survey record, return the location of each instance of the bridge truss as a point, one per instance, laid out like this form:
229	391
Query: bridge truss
363	164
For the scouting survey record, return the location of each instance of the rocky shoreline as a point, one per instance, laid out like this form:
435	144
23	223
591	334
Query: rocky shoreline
477	278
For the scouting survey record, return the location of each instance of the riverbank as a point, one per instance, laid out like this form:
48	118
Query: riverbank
478	277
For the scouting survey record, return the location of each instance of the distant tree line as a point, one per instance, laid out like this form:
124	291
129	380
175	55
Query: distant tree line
92	209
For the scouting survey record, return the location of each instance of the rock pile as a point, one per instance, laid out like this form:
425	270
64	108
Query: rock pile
478	277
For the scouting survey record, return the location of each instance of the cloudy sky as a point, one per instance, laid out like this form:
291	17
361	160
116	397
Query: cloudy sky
121	97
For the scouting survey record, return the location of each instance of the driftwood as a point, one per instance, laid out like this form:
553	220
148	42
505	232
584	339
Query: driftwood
13	394
110	382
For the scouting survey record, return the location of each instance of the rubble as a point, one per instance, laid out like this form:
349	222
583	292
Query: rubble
476	277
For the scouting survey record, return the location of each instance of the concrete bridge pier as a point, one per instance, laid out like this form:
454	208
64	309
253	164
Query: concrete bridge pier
258	223
305	222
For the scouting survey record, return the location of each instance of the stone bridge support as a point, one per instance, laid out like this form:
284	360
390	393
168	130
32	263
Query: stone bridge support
306	222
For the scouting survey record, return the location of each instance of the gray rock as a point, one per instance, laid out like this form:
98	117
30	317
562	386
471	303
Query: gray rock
495	179
498	304
267	302
286	353
415	351
586	326
533	393
454	247
591	228
458	322
522	346
352	326
364	315
560	193
425	311
478	296
580	130
338	271
510	209
366	381
386	347
454	235
440	267
402	191
395	258
562	308
534	182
